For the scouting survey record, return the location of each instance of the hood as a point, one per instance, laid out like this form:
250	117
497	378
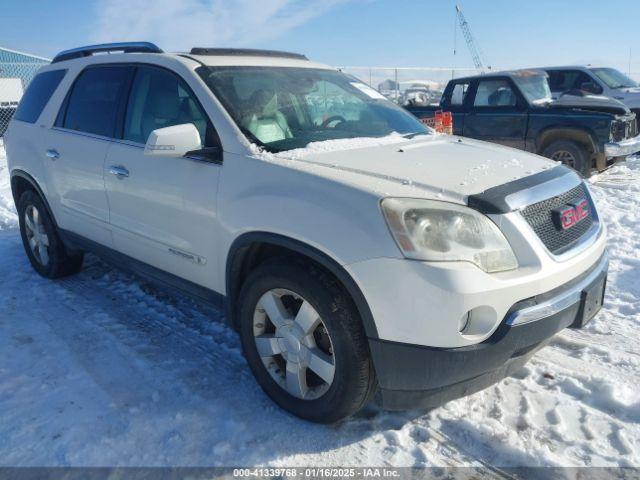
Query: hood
630	90
630	96
429	166
592	103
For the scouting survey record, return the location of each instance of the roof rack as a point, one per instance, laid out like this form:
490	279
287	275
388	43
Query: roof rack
126	47
248	52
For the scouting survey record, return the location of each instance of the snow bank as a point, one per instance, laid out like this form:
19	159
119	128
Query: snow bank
8	217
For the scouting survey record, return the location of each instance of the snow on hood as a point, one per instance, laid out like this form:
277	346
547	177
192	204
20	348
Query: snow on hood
435	166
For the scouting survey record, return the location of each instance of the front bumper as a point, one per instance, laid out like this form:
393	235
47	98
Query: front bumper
623	148
412	376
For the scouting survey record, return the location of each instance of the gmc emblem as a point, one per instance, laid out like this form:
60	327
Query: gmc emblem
570	215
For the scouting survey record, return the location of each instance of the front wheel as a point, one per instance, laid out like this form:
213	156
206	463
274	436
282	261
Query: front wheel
571	154
304	341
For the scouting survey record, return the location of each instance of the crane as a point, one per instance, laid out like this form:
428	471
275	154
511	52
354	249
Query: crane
471	44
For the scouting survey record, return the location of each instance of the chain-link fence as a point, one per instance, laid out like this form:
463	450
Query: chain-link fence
14	78
423	85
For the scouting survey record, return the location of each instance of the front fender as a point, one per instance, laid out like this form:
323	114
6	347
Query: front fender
239	250
285	198
581	134
283	204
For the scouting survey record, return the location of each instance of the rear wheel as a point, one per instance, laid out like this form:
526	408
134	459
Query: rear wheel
571	154
41	241
304	341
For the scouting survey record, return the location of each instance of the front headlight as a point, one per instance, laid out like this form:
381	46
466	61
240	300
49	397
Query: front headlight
444	232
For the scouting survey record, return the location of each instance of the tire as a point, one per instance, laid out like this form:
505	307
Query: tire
353	380
48	257
571	154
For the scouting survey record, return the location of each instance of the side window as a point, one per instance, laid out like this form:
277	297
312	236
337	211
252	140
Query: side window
38	94
562	80
583	80
459	93
93	104
495	93
161	99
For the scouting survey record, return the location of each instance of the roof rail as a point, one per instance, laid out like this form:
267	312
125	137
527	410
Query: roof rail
248	52
126	47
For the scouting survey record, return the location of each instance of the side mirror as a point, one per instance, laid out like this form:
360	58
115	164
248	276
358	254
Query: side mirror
175	141
590	87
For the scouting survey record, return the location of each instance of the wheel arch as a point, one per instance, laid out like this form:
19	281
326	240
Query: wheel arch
21	181
576	134
252	248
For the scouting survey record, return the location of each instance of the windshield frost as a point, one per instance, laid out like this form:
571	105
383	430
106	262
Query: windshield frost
282	108
614	78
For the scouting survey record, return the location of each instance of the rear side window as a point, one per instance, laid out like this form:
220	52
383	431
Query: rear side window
38	94
459	93
95	100
495	93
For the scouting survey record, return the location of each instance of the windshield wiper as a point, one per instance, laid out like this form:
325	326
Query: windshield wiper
414	134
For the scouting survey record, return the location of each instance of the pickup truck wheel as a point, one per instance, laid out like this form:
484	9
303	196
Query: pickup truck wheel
304	341
571	154
42	244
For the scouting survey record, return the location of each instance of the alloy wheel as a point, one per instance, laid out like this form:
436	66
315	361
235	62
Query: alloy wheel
36	235
294	344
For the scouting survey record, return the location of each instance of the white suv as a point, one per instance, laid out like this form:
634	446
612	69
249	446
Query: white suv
356	251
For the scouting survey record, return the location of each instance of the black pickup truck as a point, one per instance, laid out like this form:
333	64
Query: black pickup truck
516	109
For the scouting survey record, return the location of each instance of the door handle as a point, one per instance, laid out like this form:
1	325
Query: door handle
52	154
118	171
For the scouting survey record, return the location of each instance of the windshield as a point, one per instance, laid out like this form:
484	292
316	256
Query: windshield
282	108
614	78
534	86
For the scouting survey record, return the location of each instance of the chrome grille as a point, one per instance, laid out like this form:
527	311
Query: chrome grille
623	129
540	217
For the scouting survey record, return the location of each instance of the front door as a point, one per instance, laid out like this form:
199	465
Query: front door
498	115
163	209
76	148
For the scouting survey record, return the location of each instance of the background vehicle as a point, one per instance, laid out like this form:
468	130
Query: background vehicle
356	253
516	109
605	81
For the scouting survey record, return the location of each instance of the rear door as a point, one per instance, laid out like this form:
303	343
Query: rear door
76	148
163	209
499	113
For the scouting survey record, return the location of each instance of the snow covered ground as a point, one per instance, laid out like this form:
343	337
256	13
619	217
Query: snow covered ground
100	369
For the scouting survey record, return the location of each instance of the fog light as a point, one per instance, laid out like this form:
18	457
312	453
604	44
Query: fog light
478	321
464	322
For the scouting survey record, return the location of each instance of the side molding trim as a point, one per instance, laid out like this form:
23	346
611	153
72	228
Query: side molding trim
163	280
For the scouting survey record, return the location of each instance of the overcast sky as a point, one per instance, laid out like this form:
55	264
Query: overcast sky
511	33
